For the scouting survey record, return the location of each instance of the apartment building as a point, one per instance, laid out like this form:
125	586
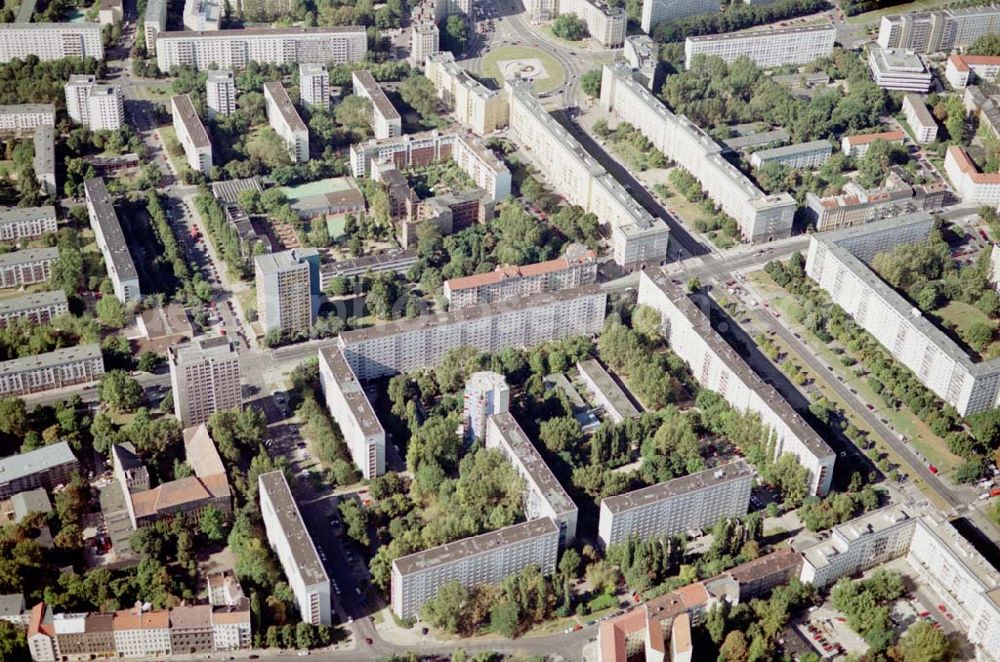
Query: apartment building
43	467
605	24
292	544
761	217
577	267
839	263
716	366
943	30
27	266
96	106
220	92
473	105
234	49
395	260
202	15
284	119
643	55
36	307
894	69
972	186
767	48
857	206
205	377
18	223
486	169
544	496
918	118
806	156
483	559
314	85
425	40
657	11
111	240
25	117
350	408
683	504
386	120
964	69
858	145
191	134
44	162
50	41
408	151
421	343
636	236
606	392
450	212
286	283
486	394
154	21
43	372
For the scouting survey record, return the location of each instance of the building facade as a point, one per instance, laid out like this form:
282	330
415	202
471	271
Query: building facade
17	223
767	48
44	467
27	266
350	408
285	120
35	308
963	69
290	540
605	24
718	367
95	106
943	30
205	377
894	69
486	169
971	185
111	240
657	11
857	206
802	155
425	40
25	117
314	85
154	21
386	120
191	134
286	283
50	41
858	145
475	106
921	122
220	92
486	394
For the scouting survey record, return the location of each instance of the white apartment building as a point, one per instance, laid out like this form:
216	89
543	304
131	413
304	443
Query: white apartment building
636	236
421	343
894	69
285	120
26	266
349	407
760	217
191	134
484	559
25	117
292	544
643	55
657	11
474	105
50	41
807	156
605	391
154	21
18	223
36	307
139	633
972	186
314	85
605	24
111	240
234	49
577	267
43	372
286	282
220	92
858	145
963	69
544	496
425	40
919	119
683	504
767	48
479	162
202	15
95	106
44	140
838	262
486	394
718	367
205	377
943	30
386	120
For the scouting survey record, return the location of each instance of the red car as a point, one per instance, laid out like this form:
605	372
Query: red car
368	640
932	468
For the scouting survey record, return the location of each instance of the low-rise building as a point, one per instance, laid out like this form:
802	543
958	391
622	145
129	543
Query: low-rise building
44	467
963	69
921	122
350	408
386	120
111	240
801	155
285	120
971	185
450	212
395	260
606	392
35	308
483	559
474	105
27	266
544	496
292	544
898	70
26	117
767	48
191	134
43	372
857	206
858	145
18	223
675	506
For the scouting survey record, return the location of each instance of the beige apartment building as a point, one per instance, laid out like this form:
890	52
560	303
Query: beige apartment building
473	104
205	376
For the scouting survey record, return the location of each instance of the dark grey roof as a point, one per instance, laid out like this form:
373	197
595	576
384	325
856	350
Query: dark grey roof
702	480
111	229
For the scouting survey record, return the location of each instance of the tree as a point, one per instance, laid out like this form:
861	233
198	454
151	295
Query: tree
505	619
13	417
570	27
734	648
354	114
212	523
453	34
988	44
569	563
560	434
119	390
591	83
148	361
13	643
419	94
111	312
923	643
447	608
266	146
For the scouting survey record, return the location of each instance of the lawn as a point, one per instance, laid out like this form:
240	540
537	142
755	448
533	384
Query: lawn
491	68
963	316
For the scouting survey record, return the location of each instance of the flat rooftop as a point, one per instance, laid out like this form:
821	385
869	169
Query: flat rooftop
293	528
41	459
313	33
57	357
763	34
470	547
21	214
795	150
352	392
26	255
285	106
373	91
32	300
270	263
608	387
28	108
702	480
189	118
111	229
919	109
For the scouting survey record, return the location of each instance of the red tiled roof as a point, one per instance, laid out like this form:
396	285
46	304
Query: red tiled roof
510	271
965	164
864	139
